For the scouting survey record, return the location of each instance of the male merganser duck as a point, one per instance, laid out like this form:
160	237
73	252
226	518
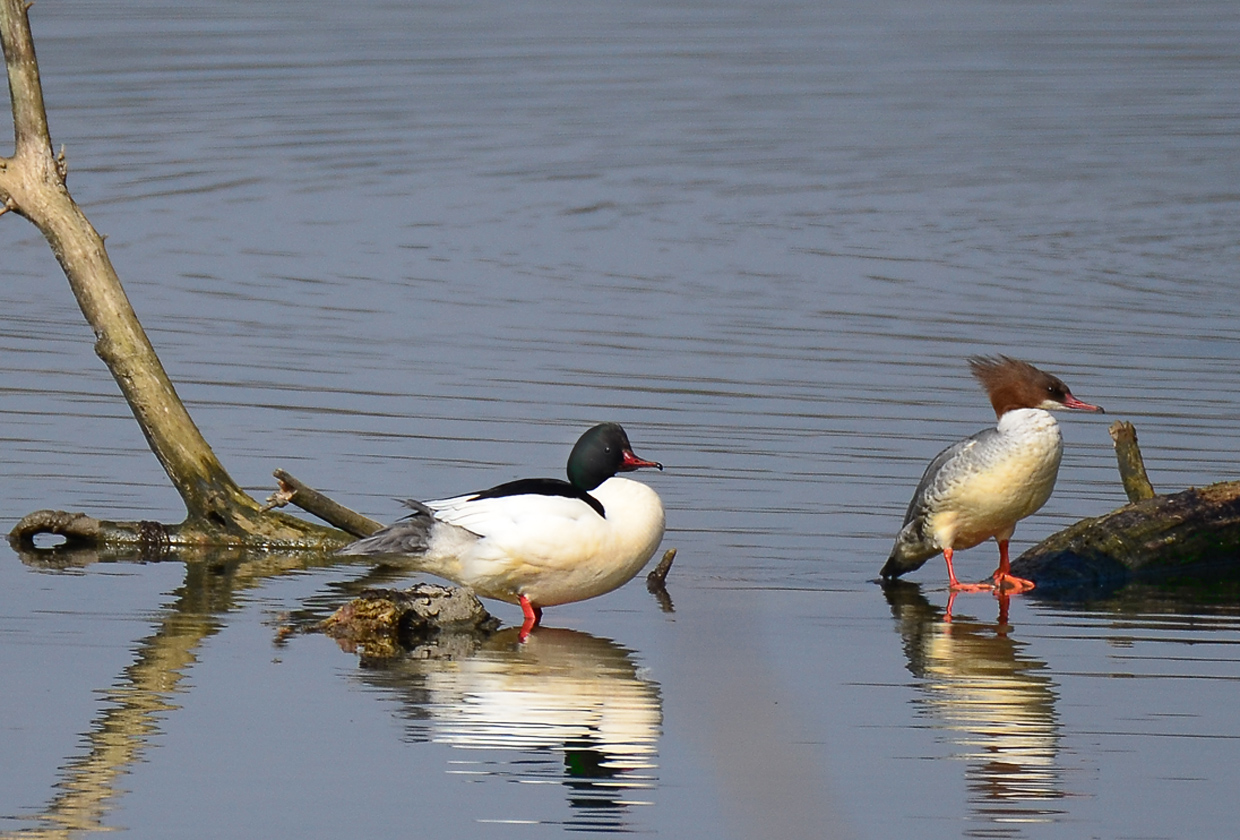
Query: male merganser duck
982	486
538	542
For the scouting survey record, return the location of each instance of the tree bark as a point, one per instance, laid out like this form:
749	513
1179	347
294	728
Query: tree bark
32	184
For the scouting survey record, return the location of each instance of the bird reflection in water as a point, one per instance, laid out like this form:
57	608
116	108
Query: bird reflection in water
575	709
992	702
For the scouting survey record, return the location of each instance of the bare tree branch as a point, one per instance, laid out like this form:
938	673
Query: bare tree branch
32	184
312	501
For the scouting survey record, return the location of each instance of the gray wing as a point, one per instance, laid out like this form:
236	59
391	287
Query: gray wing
915	545
943	472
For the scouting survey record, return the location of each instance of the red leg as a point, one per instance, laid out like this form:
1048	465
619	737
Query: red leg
533	615
1004	599
957	586
1005	581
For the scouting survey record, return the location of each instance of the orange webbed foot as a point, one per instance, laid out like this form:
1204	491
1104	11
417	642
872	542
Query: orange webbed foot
957	586
1010	584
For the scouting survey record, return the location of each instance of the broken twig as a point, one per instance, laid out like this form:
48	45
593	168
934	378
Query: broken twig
1131	465
313	502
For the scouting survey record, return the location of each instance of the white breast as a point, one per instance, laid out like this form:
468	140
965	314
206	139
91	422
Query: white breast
1007	476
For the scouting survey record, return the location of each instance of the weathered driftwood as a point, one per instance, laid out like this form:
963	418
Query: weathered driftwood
149	540
33	185
312	501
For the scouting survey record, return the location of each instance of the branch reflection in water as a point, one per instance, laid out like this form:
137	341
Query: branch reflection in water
570	707
994	704
143	694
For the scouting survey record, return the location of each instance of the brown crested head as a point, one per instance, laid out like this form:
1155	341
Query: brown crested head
1013	384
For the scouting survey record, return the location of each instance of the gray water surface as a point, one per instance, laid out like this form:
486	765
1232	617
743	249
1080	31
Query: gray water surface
410	250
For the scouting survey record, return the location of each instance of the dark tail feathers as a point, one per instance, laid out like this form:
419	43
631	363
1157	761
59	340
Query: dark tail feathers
410	535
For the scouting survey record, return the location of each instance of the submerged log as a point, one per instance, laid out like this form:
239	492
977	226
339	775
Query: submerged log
428	619
152	540
1194	533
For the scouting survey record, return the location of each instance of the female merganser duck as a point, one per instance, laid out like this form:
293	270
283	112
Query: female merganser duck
982	486
538	542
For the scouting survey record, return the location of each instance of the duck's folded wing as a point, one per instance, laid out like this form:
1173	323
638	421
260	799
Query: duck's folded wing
944	473
488	515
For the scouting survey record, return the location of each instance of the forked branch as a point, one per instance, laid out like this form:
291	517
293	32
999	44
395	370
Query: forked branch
32	184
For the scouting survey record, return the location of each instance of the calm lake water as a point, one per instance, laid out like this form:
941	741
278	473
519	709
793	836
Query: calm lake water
414	249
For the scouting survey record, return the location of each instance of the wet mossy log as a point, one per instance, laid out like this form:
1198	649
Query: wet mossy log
1190	535
382	623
